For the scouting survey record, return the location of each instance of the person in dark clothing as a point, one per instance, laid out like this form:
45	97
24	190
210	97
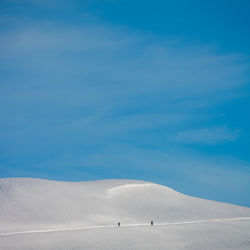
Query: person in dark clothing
152	223
119	224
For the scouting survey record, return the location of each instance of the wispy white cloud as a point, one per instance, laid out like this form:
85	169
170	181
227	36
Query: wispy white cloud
103	67
101	82
133	62
207	135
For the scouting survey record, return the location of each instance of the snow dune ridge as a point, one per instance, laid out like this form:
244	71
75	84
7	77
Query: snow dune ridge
38	205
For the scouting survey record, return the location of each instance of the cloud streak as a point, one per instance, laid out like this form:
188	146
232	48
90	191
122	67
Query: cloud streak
207	135
102	70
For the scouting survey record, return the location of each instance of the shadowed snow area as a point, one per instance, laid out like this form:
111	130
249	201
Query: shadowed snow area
36	204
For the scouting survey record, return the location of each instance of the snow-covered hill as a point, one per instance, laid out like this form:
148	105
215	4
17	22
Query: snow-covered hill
39	214
36	204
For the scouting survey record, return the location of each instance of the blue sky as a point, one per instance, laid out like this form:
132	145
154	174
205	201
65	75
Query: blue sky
152	90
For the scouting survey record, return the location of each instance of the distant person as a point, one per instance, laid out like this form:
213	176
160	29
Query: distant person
152	223
119	224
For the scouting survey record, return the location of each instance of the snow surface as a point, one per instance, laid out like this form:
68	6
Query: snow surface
42	214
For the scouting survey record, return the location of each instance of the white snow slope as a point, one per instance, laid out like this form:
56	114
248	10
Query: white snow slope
42	214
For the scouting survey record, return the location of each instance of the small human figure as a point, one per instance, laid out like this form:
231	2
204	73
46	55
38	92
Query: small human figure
119	224
152	223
